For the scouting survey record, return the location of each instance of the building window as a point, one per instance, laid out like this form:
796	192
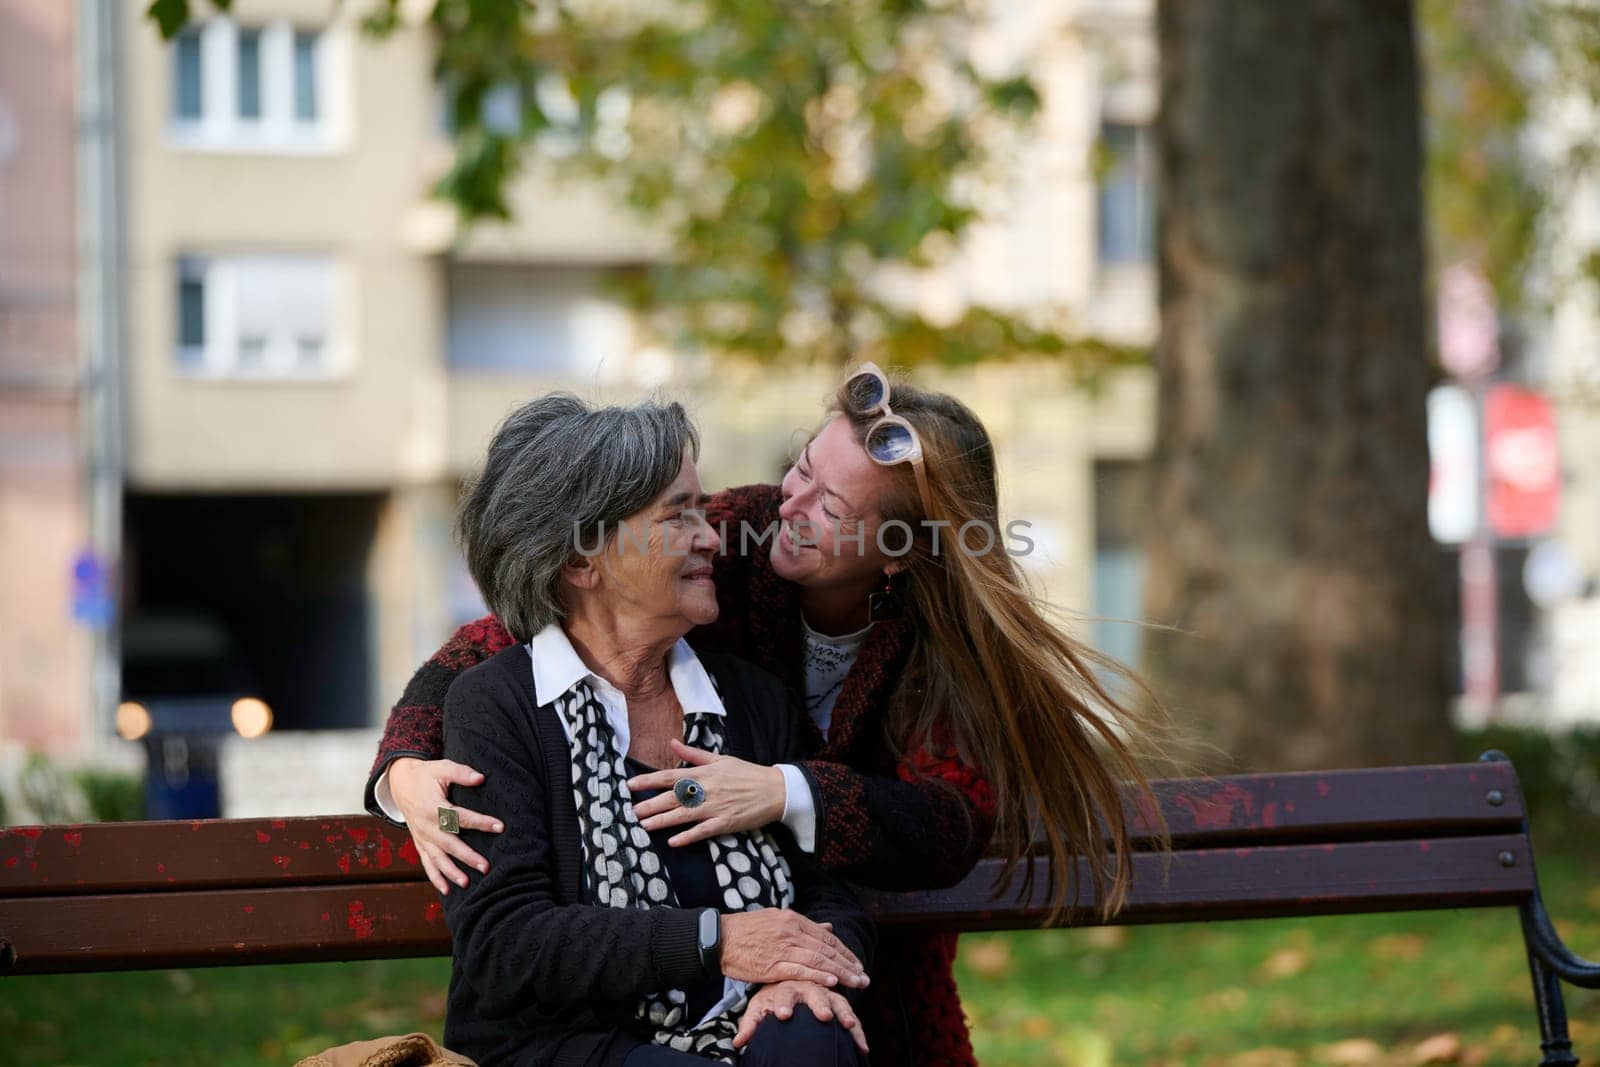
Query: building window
249	74
305	77
191	315
186	76
1119	558
539	321
256	316
1125	199
251	88
564	124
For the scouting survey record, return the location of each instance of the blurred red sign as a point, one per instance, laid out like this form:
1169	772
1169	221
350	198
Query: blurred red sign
1523	459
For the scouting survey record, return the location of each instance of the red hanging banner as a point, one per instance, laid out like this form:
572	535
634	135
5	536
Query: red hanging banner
1523	461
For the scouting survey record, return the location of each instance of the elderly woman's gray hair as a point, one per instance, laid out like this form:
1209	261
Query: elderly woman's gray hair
559	473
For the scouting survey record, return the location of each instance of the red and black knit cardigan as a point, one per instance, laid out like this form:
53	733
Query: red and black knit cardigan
920	823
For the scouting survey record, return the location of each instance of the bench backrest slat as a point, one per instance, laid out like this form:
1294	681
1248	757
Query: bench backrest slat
1364	804
1241	810
362	921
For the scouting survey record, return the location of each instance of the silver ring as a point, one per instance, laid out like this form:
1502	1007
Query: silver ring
690	793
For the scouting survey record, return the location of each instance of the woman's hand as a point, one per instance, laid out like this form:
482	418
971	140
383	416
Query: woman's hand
420	788
739	796
780	1000
779	945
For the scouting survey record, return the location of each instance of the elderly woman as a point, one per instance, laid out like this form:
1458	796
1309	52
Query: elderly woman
588	940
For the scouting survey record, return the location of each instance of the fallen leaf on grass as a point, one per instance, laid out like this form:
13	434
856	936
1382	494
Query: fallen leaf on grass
1036	1027
1230	999
1081	1047
988	958
1265	1057
1105	938
1505	1034
380	1020
431	1006
1354	1052
1286	963
1440	1048
1399	947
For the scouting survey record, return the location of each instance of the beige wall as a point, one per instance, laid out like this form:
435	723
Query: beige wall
554	220
44	697
381	422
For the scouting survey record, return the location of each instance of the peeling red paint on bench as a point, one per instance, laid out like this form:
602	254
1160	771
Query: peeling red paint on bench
329	887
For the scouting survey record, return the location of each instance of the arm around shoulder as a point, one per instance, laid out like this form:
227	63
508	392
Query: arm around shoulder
415	725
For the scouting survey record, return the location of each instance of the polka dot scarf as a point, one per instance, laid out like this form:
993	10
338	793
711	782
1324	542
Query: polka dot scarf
622	870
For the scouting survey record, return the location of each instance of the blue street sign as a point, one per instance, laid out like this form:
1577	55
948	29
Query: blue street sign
92	602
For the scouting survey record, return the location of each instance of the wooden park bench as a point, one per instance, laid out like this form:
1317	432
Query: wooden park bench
192	894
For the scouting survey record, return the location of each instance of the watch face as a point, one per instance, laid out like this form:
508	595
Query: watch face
710	930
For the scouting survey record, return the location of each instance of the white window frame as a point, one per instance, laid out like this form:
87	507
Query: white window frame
220	128
218	359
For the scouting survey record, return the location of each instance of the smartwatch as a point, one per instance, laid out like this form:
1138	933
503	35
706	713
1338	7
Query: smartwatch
710	931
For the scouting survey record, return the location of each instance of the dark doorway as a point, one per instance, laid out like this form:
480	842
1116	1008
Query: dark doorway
284	578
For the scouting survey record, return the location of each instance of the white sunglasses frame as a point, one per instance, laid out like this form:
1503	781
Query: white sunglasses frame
914	457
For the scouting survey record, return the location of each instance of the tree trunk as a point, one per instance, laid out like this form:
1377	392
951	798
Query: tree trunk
1289	535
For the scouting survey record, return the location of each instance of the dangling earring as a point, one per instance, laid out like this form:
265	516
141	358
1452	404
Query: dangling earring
886	603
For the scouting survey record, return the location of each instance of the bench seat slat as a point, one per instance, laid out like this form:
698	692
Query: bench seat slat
356	921
1263	882
1254	810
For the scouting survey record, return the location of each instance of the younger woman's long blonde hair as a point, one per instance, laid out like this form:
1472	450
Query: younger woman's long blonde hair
1016	695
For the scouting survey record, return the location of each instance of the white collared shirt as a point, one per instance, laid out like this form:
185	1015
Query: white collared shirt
557	667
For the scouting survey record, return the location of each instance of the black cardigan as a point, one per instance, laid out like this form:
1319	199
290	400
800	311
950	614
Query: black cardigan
536	976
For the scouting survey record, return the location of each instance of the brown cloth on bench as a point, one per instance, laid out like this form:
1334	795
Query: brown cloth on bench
411	1050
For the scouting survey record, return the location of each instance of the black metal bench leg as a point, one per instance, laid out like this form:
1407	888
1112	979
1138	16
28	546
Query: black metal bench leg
1552	1008
1550	962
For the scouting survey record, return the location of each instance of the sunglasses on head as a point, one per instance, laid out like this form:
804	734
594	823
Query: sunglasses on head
890	439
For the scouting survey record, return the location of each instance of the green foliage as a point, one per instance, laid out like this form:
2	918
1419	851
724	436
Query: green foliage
1559	773
1494	72
112	796
49	792
792	153
171	16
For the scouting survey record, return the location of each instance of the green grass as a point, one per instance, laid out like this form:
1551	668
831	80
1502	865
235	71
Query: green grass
1354	989
1254	993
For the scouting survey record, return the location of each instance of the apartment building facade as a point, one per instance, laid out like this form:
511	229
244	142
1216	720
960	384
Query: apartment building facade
317	356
